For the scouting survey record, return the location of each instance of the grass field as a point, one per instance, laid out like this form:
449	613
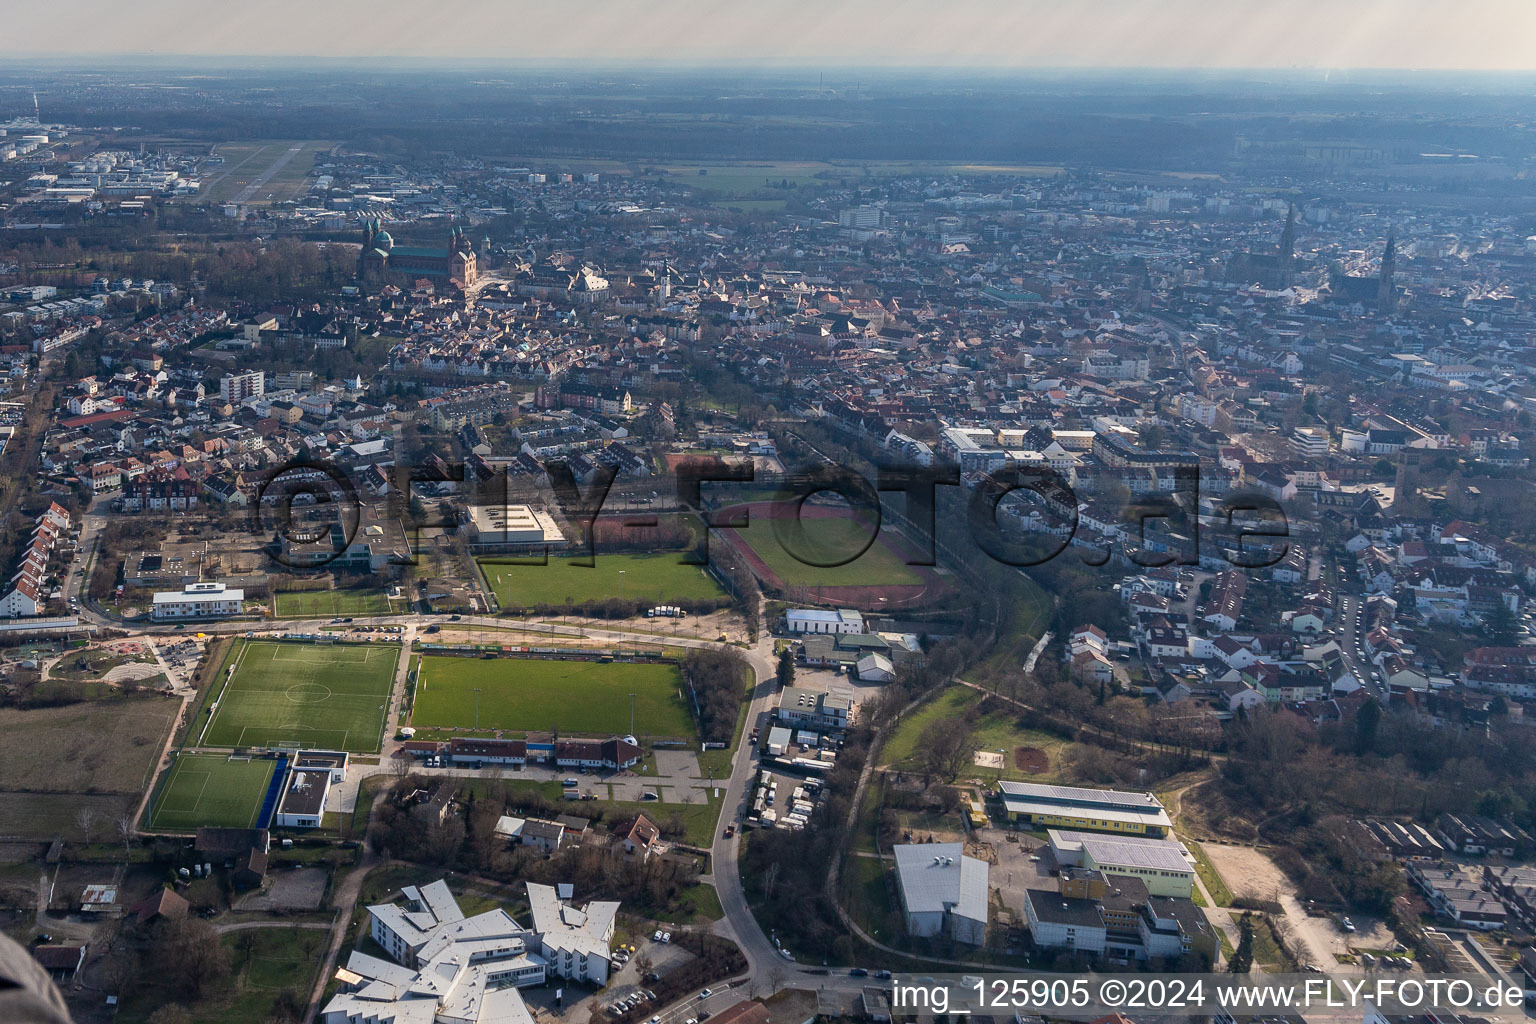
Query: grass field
995	730
109	745
330	696
583	698
294	604
44	816
752	179
828	540
210	789
264	963
659	578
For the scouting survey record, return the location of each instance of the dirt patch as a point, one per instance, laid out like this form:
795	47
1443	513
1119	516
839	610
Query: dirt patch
1032	760
1247	872
298	890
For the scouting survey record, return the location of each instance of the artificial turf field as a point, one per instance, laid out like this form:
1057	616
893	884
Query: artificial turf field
581	698
210	789
659	578
326	696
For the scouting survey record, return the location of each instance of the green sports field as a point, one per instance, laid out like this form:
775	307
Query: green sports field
581	698
331	696
210	789
829	540
658	578
294	604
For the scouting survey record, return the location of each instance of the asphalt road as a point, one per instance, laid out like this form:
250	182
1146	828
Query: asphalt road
764	961
1352	642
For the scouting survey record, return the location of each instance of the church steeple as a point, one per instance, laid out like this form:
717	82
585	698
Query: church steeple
1288	236
1386	290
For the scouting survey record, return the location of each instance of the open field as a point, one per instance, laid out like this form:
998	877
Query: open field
298	604
730	181
827	537
751	205
264	963
44	816
659	578
261	172
995	730
210	789
582	698
99	746
767	179
331	696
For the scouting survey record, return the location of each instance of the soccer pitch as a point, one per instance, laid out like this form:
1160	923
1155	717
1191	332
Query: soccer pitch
328	696
292	604
210	789
661	579
579	698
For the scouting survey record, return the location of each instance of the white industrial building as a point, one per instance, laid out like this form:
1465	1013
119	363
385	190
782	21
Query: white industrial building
943	892
511	527
197	601
1164	865
303	801
813	620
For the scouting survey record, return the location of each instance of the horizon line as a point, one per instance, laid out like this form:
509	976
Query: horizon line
838	63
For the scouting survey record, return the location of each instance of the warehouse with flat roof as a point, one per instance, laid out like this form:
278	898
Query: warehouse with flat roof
501	528
1163	864
1089	810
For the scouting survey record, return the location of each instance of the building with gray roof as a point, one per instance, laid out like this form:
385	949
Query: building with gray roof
943	891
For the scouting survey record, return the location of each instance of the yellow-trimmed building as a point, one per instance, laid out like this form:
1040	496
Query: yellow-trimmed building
1031	805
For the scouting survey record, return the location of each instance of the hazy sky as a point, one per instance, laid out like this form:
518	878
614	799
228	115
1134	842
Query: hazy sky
1464	34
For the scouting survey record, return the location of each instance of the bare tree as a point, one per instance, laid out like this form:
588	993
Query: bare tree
946	748
125	830
85	821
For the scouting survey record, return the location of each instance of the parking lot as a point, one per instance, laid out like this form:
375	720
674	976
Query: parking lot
633	984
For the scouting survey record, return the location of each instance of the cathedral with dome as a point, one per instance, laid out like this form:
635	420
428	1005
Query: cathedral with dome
383	262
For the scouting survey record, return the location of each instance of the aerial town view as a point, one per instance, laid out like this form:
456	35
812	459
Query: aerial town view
678	513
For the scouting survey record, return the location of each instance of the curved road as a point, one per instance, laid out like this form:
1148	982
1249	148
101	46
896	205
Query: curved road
737	924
